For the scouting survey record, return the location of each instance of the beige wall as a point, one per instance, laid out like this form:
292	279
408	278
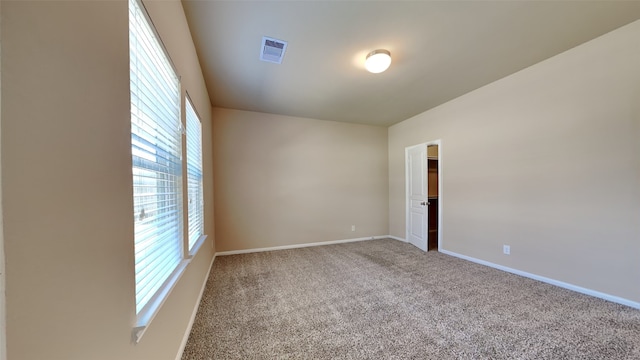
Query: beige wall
546	160
3	348
66	182
282	180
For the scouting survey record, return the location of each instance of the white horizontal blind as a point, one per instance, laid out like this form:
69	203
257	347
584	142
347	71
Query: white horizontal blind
156	151
194	175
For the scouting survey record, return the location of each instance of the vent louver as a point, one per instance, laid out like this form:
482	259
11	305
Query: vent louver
272	50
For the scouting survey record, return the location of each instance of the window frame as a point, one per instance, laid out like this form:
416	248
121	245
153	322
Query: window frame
147	312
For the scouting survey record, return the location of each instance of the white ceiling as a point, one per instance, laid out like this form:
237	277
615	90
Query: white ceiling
440	50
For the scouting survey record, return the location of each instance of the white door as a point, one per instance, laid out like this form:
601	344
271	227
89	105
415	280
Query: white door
417	196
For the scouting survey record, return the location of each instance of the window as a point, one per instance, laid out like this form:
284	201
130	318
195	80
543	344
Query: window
194	175
156	147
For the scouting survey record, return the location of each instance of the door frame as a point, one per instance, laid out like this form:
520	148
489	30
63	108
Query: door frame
407	201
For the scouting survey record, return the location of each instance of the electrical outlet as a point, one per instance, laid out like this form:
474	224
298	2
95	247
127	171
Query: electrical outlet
353	228
506	249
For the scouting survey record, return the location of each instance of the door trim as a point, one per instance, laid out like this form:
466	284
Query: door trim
407	202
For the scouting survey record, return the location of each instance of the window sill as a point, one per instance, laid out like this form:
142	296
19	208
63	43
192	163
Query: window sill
150	311
197	246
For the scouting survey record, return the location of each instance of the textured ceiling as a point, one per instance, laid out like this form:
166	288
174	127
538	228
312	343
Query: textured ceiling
440	50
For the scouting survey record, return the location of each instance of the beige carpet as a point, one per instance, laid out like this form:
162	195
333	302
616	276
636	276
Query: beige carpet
385	299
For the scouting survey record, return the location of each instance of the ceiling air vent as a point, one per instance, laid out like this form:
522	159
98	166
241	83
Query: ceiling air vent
272	50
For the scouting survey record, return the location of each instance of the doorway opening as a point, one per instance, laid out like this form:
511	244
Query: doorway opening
424	195
432	203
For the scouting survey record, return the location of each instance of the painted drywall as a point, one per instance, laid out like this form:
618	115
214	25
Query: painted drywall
546	160
66	182
3	332
283	180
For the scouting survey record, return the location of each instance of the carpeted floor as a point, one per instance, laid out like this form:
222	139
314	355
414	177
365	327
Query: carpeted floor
385	299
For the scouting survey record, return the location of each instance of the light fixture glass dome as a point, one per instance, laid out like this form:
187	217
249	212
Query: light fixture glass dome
378	61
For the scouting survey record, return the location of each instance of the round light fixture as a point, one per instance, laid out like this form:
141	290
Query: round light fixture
378	61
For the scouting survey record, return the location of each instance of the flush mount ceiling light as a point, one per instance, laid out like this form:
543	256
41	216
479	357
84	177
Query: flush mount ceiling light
378	61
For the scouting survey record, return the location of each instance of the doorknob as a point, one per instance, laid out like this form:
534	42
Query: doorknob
425	203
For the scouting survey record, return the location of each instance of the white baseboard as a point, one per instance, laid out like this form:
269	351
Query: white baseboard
579	289
185	338
297	246
396	238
